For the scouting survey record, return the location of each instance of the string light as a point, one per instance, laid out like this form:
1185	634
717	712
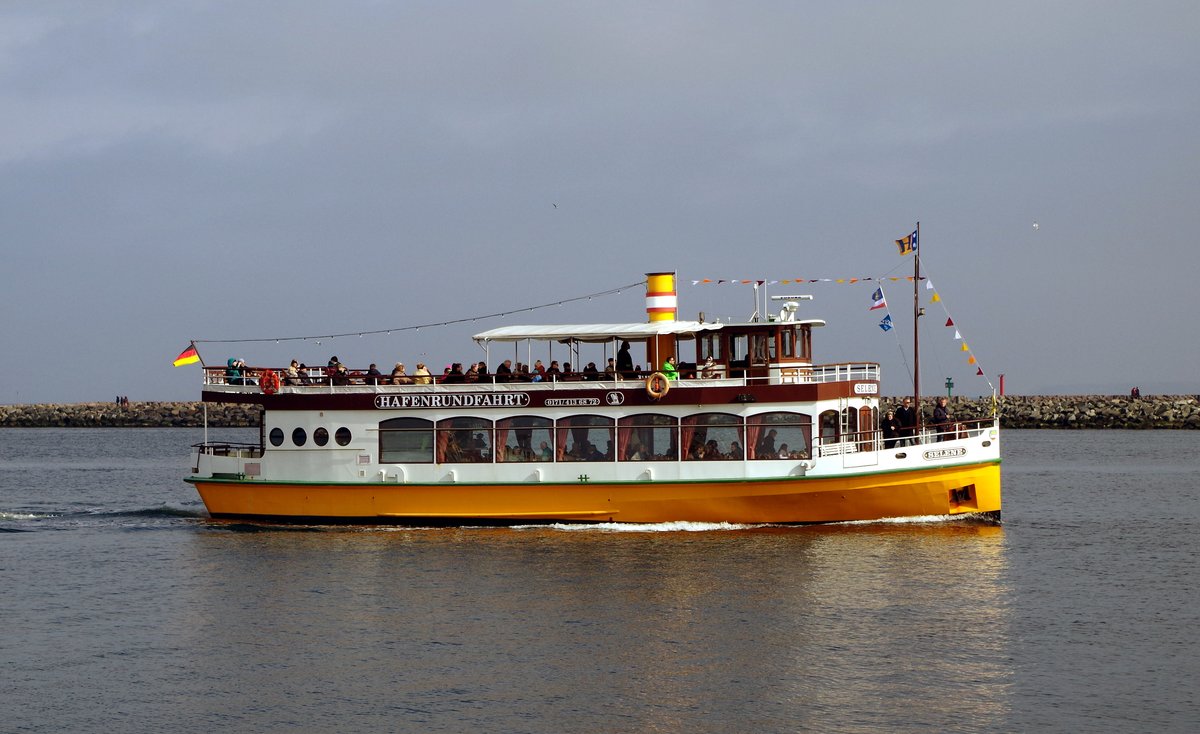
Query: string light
418	327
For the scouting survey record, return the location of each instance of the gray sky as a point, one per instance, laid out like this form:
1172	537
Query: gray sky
236	170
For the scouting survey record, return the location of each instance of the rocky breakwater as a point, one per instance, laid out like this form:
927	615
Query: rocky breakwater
1079	411
133	415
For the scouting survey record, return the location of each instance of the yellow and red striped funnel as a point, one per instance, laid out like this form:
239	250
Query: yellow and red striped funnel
662	302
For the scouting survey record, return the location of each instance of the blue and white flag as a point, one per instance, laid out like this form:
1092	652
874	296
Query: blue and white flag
886	324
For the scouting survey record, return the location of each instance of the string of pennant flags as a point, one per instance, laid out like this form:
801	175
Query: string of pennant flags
907	246
785	281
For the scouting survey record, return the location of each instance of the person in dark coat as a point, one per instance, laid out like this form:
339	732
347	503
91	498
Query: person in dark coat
624	361
891	430
907	417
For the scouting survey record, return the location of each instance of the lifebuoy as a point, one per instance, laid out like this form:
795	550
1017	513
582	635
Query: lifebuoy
269	382
657	385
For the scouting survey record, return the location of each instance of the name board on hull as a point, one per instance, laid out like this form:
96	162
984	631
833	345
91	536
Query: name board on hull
453	400
933	454
866	388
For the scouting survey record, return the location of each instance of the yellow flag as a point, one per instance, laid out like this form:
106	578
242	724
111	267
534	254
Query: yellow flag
935	298
964	347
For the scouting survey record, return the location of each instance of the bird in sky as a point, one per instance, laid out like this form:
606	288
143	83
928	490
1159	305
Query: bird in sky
1035	226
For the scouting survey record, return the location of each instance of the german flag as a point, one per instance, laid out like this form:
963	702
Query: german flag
187	356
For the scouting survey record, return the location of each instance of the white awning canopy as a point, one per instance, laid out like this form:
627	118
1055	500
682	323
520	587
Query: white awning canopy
595	332
607	332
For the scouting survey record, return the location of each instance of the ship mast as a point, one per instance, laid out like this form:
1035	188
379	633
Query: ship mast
918	312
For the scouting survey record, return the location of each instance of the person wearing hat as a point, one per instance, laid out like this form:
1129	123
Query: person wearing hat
709	370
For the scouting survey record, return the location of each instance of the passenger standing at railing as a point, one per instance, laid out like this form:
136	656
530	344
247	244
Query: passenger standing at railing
907	417
624	361
891	430
942	420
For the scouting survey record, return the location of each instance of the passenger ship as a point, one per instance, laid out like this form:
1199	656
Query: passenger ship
762	435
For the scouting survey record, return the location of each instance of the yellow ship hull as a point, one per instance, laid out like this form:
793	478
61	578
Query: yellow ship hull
946	490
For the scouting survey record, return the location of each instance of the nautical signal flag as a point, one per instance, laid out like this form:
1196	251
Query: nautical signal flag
886	324
908	244
187	356
878	299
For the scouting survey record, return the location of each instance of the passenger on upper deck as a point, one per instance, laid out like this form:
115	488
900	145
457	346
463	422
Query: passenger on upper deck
373	375
669	370
291	375
590	372
422	375
539	371
455	375
554	372
482	370
472	373
399	376
234	374
504	371
610	370
624	361
709	370
340	376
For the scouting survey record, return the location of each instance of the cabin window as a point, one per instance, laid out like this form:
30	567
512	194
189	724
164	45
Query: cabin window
850	423
648	437
464	441
710	436
758	348
321	436
829	427
584	438
342	436
524	438
708	345
781	435
299	437
276	436
805	343
406	441
787	342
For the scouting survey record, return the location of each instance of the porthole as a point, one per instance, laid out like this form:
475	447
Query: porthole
276	436
321	436
299	436
342	436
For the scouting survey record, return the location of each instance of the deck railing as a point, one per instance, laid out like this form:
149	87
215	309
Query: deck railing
320	377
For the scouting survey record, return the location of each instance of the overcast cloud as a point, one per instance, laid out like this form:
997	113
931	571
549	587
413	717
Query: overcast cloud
237	170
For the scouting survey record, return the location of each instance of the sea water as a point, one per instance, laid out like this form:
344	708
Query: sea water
125	609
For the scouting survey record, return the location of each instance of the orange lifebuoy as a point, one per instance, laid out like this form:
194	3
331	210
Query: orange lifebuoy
657	385
269	382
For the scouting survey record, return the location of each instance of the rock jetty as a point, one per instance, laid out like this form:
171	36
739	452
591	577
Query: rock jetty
1016	411
133	415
